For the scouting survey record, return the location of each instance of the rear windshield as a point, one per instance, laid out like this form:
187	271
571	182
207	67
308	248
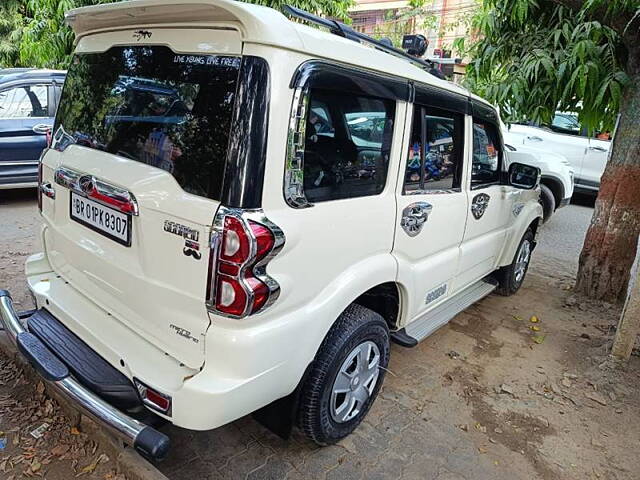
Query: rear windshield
152	105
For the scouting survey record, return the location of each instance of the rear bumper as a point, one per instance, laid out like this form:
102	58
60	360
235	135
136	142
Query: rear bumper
146	440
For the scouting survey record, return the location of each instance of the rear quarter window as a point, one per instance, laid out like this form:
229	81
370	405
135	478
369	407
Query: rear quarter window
151	105
347	145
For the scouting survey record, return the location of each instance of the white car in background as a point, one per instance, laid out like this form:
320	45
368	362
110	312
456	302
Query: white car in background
565	136
557	182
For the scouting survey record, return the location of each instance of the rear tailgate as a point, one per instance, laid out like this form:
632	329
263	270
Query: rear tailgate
150	121
152	286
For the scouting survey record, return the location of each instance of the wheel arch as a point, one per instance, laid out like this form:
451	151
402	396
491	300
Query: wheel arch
384	299
529	217
377	289
555	185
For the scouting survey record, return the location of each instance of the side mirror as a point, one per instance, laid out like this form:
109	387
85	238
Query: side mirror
523	176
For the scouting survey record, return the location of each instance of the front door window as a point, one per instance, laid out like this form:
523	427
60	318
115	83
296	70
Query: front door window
486	155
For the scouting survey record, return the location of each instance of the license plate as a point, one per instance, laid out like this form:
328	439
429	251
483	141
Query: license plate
101	219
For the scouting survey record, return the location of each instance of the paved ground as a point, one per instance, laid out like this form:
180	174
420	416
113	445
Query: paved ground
563	236
61	453
486	397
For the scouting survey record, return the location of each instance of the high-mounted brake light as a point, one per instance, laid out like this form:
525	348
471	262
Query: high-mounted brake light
242	245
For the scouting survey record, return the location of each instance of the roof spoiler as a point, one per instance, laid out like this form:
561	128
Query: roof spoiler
254	22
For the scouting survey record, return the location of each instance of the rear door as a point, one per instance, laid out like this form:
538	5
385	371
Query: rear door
137	163
431	203
595	161
26	113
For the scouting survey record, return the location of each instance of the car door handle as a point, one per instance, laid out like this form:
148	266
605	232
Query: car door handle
414	216
41	128
598	149
534	138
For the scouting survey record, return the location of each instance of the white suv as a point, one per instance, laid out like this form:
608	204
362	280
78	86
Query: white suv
556	184
240	212
565	136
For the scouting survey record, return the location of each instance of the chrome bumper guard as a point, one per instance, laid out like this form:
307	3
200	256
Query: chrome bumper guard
145	439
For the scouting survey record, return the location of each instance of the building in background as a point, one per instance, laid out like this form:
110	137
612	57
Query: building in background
441	21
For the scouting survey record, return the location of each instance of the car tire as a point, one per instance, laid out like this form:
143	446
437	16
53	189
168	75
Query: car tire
548	202
353	356
512	276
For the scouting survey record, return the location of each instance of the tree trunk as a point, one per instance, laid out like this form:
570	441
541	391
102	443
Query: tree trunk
610	245
629	324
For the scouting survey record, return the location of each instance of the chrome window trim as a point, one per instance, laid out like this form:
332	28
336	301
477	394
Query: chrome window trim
437	191
294	170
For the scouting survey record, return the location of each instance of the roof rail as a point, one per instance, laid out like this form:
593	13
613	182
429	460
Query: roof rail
339	28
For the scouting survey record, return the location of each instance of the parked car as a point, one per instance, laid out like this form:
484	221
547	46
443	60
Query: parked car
556	185
565	136
28	101
270	265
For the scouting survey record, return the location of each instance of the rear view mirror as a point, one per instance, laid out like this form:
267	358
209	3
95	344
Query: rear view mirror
523	176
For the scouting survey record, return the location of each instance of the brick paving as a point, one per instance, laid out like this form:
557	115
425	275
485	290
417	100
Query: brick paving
444	414
406	435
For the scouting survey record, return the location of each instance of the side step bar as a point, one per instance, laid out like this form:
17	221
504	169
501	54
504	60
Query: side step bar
432	320
145	439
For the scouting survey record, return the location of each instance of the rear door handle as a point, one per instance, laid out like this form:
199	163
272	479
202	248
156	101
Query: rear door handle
598	149
41	128
414	217
534	138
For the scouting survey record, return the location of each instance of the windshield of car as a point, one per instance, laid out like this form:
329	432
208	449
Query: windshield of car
566	123
151	105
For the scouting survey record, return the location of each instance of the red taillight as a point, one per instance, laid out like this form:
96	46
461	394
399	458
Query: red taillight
238	284
40	185
236	244
231	296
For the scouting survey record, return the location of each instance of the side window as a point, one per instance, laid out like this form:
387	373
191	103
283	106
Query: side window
24	102
487	154
436	151
347	144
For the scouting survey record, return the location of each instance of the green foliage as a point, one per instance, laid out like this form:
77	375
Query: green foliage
12	22
33	33
534	57
415	18
46	41
338	9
